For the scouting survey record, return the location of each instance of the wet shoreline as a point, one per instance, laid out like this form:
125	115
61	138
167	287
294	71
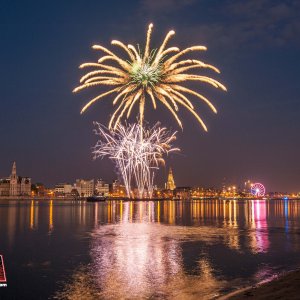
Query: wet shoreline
284	286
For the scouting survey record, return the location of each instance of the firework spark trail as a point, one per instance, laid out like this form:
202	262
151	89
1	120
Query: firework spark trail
136	159
155	73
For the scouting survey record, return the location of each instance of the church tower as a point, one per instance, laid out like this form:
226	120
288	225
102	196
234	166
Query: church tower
13	187
170	185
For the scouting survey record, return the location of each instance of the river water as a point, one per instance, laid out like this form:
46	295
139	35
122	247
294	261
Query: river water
198	249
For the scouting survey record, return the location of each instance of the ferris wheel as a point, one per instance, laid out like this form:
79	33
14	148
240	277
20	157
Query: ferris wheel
258	190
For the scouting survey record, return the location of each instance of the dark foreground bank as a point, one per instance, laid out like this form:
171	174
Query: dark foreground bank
285	287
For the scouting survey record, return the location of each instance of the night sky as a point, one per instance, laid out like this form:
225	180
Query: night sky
254	43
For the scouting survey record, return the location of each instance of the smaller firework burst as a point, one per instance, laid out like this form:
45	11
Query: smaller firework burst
136	158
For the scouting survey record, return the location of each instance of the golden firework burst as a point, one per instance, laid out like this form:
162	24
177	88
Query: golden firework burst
156	75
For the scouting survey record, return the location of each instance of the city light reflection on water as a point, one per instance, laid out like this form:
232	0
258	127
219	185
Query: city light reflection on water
159	249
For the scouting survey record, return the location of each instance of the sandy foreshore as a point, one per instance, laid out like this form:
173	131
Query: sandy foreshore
286	286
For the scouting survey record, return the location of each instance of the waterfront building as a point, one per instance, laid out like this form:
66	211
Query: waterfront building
117	189
183	192
63	189
115	186
197	192
59	190
4	187
15	185
85	188
38	189
170	185
49	192
102	188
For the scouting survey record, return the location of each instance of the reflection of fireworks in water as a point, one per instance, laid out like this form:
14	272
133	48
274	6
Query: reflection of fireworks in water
148	73
136	158
141	259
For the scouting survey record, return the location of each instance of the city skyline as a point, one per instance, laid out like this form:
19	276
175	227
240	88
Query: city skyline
253	136
231	189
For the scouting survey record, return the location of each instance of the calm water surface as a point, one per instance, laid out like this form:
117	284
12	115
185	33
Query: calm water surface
135	250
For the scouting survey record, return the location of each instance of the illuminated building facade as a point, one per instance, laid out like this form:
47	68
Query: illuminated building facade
183	193
170	185
15	185
85	188
38	189
102	188
117	189
63	189
4	187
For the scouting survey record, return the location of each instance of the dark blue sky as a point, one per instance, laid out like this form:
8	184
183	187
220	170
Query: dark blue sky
255	44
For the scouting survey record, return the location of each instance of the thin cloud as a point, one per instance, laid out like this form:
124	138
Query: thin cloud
255	23
238	24
163	6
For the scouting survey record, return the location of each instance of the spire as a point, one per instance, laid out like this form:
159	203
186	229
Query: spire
13	175
14	169
170	183
13	185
